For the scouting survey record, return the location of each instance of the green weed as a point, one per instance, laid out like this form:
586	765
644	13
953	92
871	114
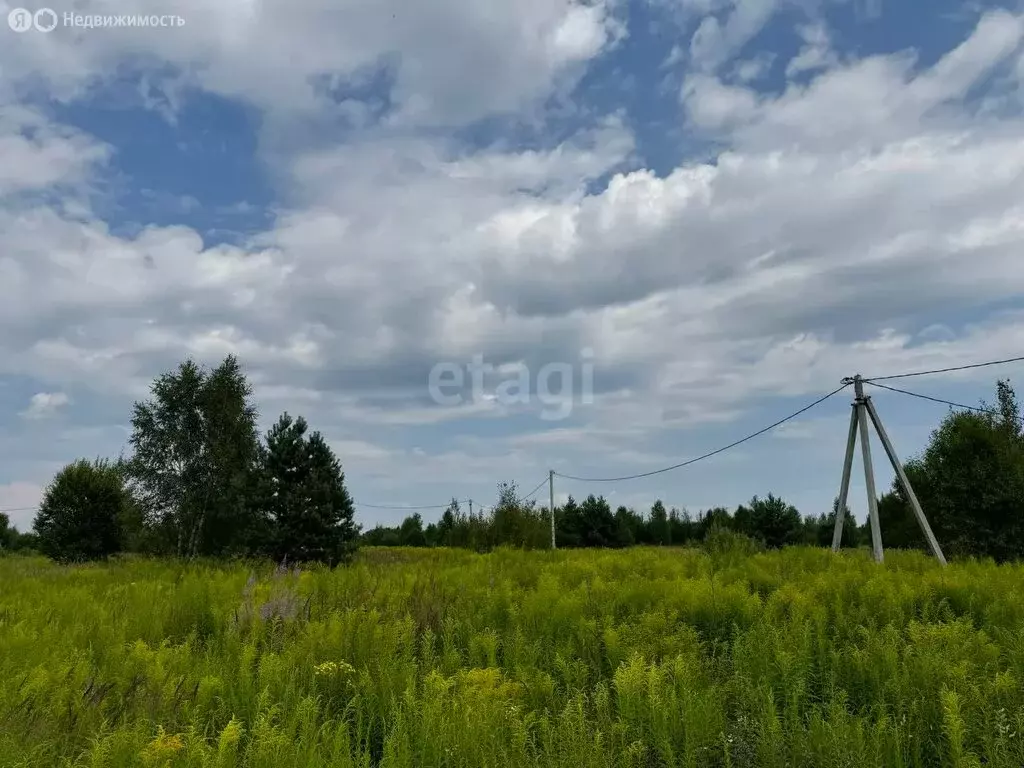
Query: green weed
642	657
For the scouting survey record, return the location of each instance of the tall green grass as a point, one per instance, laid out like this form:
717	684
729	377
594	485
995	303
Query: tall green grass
642	657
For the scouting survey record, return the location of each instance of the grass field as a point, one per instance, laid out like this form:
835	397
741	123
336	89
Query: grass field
588	658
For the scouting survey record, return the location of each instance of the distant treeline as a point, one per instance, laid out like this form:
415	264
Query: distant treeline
592	523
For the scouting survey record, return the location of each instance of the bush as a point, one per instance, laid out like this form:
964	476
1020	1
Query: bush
772	520
80	515
722	542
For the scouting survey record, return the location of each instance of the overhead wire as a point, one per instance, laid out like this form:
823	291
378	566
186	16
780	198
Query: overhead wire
943	370
708	455
424	506
540	485
933	399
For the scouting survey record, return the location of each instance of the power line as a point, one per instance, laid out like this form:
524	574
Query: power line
425	506
944	370
19	509
531	493
712	453
933	399
444	506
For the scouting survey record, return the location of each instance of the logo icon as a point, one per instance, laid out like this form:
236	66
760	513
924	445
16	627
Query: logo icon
19	20
45	20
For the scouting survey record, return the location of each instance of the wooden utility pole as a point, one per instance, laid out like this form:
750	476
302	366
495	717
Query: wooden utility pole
863	410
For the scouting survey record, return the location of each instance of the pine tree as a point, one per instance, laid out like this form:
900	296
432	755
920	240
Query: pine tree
625	527
569	524
308	509
774	521
446	526
411	531
661	533
598	522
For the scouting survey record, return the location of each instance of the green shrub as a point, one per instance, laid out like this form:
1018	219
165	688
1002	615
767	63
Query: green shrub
721	541
80	515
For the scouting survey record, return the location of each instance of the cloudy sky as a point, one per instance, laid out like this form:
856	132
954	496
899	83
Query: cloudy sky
721	206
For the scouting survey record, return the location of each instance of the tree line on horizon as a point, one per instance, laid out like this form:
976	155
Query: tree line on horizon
202	482
592	523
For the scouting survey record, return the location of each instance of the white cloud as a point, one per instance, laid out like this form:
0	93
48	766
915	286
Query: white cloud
45	404
39	154
871	102
816	53
716	42
452	258
455	60
749	70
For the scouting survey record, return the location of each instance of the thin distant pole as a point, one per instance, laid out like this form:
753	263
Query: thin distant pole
551	503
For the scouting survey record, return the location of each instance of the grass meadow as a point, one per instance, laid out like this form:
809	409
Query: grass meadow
640	657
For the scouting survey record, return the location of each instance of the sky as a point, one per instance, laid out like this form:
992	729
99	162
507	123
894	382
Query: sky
704	213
